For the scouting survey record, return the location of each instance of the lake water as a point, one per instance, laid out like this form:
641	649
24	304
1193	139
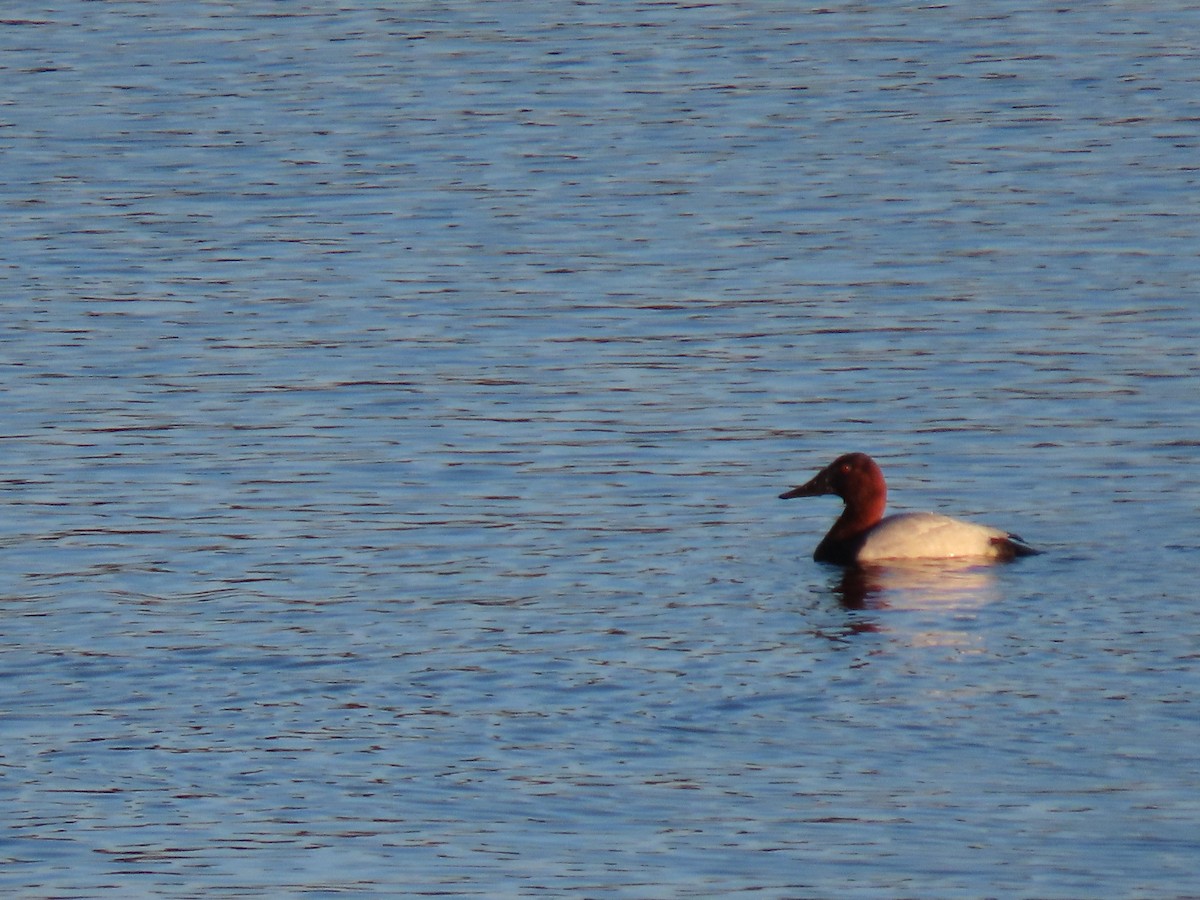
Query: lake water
396	398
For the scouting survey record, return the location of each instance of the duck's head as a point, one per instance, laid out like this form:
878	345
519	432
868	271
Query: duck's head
853	476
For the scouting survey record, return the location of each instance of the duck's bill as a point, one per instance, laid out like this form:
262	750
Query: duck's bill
817	487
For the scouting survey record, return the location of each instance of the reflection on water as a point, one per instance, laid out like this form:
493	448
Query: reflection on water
924	584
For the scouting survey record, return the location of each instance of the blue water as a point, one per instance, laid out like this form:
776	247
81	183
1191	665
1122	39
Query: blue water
396	400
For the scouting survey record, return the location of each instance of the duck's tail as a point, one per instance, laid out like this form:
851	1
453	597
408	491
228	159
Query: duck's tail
1010	546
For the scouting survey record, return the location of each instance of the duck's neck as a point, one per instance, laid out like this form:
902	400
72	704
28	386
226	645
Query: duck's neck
846	536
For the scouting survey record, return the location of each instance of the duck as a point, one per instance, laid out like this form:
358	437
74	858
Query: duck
863	536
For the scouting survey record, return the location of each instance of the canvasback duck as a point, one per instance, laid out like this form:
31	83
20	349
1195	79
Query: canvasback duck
862	535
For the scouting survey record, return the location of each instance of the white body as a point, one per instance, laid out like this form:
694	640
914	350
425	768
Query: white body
926	535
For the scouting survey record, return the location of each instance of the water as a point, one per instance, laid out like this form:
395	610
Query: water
396	400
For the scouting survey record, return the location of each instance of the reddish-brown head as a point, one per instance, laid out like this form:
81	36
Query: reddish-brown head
855	478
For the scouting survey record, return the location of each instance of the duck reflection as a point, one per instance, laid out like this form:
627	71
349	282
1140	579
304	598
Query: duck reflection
925	584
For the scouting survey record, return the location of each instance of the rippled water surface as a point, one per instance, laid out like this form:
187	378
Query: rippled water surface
396	398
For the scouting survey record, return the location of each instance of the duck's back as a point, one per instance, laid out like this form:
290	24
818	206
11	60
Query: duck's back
926	535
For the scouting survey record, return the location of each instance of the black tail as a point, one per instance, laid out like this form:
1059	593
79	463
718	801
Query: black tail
1013	545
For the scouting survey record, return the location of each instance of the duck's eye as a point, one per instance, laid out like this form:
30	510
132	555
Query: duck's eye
845	468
